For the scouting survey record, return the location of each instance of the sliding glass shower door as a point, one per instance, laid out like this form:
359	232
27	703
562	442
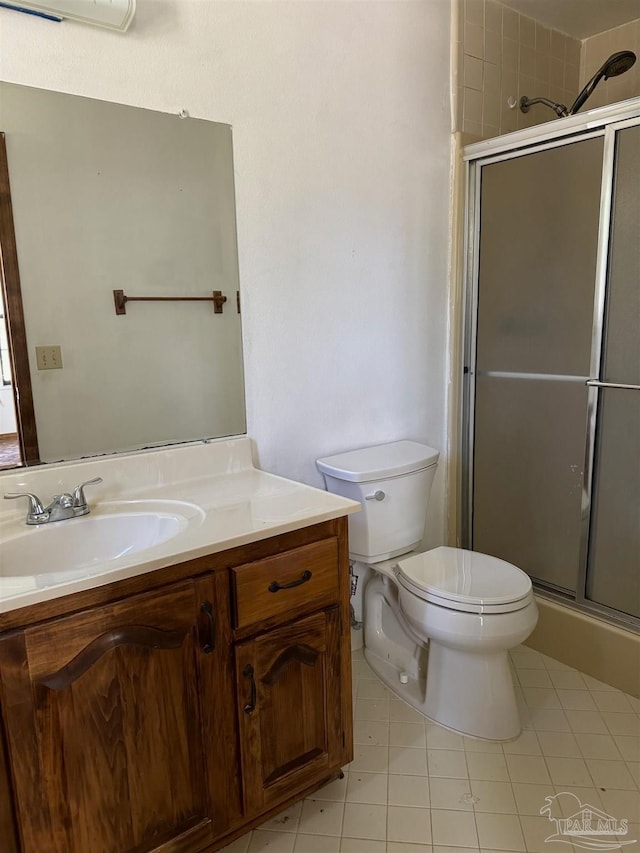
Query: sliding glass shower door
553	406
613	573
537	265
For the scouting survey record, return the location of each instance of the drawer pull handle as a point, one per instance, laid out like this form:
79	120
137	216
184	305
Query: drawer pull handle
207	609
251	704
274	586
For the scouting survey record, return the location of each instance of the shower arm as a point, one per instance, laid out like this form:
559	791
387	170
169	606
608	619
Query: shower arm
559	109
616	64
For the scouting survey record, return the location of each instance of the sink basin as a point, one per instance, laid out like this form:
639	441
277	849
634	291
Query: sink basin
62	550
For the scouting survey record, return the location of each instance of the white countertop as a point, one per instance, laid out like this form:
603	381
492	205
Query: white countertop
214	486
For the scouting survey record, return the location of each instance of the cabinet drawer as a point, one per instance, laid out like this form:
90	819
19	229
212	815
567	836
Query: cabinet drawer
287	584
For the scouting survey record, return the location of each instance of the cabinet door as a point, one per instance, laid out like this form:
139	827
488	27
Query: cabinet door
104	726
289	707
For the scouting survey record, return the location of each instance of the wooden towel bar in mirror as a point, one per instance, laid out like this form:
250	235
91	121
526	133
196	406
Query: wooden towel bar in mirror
120	299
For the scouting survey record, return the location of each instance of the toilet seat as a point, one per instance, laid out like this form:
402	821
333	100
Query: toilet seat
465	581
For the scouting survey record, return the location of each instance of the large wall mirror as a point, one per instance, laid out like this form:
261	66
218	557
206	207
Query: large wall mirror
100	198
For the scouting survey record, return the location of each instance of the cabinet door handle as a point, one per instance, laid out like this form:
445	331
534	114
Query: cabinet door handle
207	609
250	707
274	586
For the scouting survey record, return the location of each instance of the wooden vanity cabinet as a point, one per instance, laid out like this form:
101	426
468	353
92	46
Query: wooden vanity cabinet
107	725
174	719
289	678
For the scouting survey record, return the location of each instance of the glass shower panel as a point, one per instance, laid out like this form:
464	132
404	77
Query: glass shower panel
622	337
529	437
539	217
613	569
538	240
613	577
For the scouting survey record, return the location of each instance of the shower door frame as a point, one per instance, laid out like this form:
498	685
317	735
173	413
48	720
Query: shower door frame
605	122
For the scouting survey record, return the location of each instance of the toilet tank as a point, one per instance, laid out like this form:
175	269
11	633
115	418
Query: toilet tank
393	483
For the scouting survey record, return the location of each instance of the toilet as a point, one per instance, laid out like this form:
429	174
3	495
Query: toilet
438	624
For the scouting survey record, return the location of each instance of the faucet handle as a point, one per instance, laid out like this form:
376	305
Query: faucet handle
35	504
64	500
79	499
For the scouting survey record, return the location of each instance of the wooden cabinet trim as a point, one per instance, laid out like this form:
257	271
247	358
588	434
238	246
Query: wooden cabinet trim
22	740
345	641
193	840
91	633
138	635
8	825
300	652
219	717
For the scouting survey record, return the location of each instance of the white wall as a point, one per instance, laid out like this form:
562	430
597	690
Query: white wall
341	127
7	411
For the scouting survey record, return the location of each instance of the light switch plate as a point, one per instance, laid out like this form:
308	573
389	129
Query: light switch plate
49	358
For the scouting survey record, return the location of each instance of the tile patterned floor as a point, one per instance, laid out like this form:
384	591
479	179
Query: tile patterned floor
414	787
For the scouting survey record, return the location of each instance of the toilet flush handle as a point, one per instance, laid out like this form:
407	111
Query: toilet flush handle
378	495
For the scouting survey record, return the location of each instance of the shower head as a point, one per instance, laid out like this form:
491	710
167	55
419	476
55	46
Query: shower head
616	64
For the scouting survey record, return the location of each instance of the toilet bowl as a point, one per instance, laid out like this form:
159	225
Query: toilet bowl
471	609
438	624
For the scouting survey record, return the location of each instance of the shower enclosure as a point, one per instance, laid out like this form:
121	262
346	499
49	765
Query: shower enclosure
551	463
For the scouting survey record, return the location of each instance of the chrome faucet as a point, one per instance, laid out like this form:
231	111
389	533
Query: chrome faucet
61	507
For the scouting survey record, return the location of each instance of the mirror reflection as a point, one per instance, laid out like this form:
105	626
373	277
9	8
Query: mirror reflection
103	197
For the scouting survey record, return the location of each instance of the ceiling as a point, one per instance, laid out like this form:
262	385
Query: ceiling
579	18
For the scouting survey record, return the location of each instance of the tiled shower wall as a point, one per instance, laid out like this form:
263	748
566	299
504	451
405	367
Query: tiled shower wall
594	52
502	55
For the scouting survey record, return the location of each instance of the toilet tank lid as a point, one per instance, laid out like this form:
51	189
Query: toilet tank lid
379	461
